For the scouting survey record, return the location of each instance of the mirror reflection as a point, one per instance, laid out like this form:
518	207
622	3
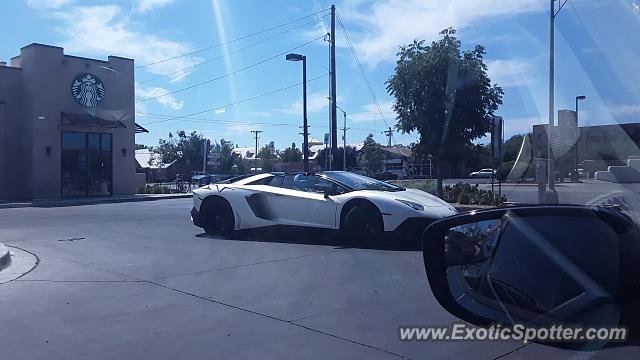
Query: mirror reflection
539	269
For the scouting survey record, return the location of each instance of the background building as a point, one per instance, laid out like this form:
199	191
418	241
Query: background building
67	125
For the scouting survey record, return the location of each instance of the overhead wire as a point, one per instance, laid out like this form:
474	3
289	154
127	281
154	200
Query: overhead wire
206	61
236	102
364	75
229	74
231	41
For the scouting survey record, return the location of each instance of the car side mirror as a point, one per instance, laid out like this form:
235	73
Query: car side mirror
538	265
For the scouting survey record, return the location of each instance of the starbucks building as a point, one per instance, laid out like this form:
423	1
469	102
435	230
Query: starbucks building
67	126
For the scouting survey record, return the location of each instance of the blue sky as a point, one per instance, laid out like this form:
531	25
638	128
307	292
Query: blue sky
596	56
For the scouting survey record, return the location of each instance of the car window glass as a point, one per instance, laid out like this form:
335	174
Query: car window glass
263	181
276	181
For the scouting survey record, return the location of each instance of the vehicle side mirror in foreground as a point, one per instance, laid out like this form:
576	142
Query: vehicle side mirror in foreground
537	265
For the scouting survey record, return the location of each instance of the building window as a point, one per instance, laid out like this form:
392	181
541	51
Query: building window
87	165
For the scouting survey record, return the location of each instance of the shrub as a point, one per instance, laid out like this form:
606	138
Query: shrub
471	194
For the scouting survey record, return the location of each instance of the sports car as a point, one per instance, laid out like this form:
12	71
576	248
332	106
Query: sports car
359	206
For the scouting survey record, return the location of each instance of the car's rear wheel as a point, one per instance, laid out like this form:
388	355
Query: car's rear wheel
363	223
218	217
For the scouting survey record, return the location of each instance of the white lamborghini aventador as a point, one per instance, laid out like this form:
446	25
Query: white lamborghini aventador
356	204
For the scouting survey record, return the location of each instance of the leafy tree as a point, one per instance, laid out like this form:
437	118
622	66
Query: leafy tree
291	154
445	94
370	159
142	146
511	148
352	158
266	153
227	157
185	148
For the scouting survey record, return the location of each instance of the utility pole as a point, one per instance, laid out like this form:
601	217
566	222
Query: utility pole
344	139
255	155
388	134
334	120
305	125
205	148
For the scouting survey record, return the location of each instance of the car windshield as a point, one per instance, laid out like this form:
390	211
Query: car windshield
360	182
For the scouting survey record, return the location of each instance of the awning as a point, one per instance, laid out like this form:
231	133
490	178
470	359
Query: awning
140	129
90	120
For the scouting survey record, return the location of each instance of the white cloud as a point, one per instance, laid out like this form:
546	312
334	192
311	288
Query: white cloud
47	4
169	101
316	102
146	5
512	72
622	110
522	125
388	24
102	30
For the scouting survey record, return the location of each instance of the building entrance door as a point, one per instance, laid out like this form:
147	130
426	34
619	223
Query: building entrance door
86	164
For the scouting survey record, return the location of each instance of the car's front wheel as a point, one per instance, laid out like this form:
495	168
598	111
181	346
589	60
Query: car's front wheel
218	217
363	223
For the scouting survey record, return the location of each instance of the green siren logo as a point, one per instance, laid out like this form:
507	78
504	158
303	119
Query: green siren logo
87	89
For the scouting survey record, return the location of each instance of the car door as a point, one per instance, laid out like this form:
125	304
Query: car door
300	201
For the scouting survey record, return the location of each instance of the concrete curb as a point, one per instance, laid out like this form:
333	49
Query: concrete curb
92	201
5	257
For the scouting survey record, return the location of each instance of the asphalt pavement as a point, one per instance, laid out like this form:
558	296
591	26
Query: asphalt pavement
139	281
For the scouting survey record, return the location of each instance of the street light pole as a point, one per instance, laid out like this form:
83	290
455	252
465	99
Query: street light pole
551	195
577	172
305	126
344	139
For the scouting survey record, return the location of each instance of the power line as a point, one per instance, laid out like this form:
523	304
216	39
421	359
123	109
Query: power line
222	121
364	75
230	53
231	73
235	103
212	121
231	41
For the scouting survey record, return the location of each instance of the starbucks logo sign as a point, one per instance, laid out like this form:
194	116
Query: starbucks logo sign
87	89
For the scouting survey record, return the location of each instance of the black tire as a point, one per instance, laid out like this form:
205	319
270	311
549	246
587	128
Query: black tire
218	217
363	223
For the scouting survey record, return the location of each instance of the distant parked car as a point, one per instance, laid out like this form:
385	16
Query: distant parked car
483	174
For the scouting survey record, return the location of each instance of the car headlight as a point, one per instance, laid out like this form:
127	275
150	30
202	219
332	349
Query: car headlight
411	204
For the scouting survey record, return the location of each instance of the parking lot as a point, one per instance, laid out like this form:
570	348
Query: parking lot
138	280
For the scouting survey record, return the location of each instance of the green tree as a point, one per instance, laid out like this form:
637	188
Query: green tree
511	148
185	149
142	146
266	153
227	157
291	154
352	158
445	94
370	159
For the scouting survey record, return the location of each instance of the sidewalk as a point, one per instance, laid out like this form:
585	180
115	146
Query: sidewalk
92	200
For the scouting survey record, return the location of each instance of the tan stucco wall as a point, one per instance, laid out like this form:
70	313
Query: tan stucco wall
45	84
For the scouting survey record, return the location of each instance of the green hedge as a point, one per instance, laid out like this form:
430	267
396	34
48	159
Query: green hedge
155	189
468	194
